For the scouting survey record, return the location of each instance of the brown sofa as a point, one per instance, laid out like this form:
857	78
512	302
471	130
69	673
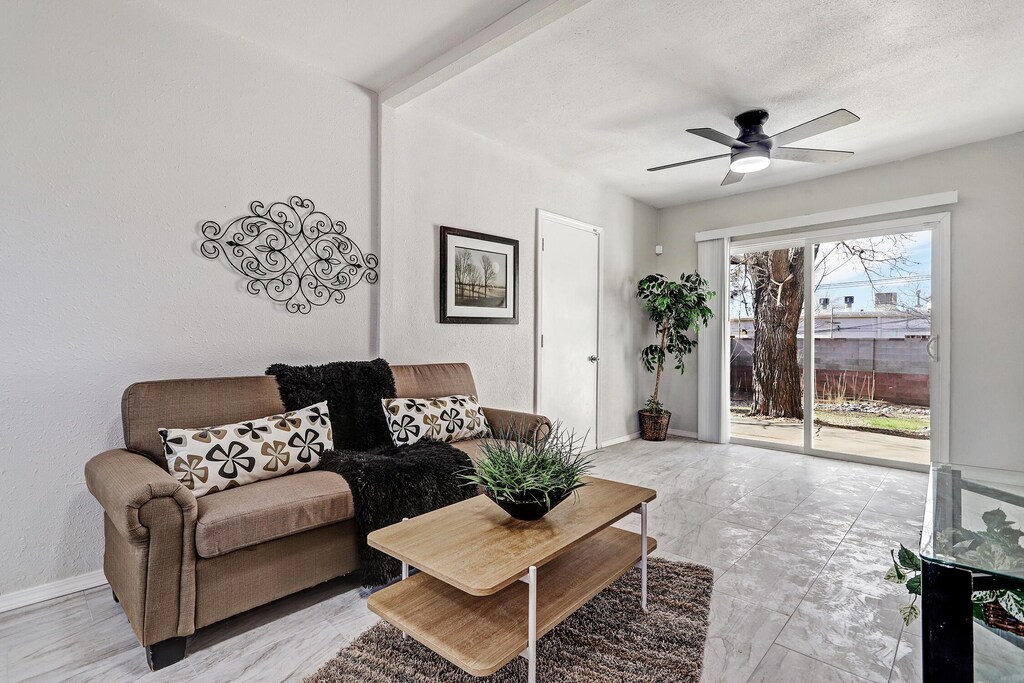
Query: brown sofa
177	563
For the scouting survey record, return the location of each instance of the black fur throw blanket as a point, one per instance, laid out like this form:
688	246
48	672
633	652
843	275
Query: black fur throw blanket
392	482
353	391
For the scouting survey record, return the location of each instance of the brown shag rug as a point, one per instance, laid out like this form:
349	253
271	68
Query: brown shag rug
608	639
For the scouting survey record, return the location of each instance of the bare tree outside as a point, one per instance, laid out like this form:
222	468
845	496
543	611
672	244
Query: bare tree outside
770	284
777	279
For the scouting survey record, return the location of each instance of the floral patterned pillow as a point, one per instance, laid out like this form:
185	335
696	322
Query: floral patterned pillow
213	459
452	418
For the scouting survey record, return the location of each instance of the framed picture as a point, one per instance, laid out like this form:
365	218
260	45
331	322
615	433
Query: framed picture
479	278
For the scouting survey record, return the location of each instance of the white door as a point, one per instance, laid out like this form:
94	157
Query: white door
568	290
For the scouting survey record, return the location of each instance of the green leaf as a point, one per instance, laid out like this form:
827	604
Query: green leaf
978	611
909	613
909	559
1013	602
914	585
894	575
994	519
897	574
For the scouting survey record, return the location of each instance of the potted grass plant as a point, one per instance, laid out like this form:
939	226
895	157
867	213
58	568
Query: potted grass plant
528	478
677	310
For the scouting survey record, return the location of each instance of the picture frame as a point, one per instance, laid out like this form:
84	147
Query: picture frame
478	278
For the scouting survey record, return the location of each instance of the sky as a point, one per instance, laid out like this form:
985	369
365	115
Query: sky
850	280
847	277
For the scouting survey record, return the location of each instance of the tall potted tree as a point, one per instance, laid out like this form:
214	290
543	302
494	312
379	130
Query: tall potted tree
677	309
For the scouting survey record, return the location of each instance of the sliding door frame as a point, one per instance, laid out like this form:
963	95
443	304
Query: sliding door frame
939	225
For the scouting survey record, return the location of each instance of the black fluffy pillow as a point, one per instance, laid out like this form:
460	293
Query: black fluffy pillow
353	391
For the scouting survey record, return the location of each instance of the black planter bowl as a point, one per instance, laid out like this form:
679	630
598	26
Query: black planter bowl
532	507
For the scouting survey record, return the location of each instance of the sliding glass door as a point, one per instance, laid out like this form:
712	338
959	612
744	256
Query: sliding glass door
766	348
833	350
872	312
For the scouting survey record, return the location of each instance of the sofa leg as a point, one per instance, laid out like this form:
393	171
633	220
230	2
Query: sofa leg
165	653
114	595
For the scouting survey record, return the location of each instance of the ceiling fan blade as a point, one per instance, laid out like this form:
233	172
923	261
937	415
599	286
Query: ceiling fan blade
684	163
715	136
732	177
822	124
815	156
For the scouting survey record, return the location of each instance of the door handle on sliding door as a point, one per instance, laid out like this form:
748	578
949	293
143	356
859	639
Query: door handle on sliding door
932	347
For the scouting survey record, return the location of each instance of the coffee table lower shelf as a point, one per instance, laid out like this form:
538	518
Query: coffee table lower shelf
480	634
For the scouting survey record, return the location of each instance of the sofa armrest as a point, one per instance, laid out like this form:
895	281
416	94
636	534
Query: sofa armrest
149	554
529	425
123	482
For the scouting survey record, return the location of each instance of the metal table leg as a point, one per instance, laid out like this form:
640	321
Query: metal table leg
530	653
643	556
947	622
405	575
642	511
531	648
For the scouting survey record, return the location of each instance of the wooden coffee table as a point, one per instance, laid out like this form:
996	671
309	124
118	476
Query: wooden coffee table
475	600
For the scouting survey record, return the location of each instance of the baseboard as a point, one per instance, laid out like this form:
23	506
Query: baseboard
48	591
680	432
620	439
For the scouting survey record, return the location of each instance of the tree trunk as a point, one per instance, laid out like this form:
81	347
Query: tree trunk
778	279
657	377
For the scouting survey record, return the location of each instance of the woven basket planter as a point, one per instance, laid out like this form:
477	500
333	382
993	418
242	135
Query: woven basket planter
654	427
997	617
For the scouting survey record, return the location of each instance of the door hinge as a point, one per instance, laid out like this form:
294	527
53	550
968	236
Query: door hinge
542	341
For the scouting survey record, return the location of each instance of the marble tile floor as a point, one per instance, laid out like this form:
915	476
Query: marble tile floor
798	545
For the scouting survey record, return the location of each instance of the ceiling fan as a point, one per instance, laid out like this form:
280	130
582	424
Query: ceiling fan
752	150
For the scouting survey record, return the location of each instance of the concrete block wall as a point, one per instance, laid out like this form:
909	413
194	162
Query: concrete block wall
894	370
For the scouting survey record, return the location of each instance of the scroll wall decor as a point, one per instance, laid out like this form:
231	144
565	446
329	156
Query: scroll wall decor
293	253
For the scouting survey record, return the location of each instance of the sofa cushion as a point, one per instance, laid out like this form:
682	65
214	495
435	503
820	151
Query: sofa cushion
447	418
433	379
248	515
471	447
213	459
147	406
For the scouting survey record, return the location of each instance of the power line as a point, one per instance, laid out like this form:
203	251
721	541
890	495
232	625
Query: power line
901	280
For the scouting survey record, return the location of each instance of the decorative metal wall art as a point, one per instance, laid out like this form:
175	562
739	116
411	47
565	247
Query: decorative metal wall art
295	254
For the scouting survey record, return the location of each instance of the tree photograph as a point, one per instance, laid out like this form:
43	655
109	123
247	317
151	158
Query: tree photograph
479	278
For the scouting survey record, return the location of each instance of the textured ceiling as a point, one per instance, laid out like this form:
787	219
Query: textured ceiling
611	88
369	42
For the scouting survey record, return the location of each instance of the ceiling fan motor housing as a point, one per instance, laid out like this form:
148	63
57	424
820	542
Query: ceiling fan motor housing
751	125
756	155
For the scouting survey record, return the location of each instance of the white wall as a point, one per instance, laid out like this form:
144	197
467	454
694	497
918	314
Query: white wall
987	282
121	130
436	174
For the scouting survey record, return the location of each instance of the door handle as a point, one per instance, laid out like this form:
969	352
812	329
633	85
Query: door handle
593	359
933	344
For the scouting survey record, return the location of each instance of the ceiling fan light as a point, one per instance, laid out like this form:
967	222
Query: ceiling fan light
749	161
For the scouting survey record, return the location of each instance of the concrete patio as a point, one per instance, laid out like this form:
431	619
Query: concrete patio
851	441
